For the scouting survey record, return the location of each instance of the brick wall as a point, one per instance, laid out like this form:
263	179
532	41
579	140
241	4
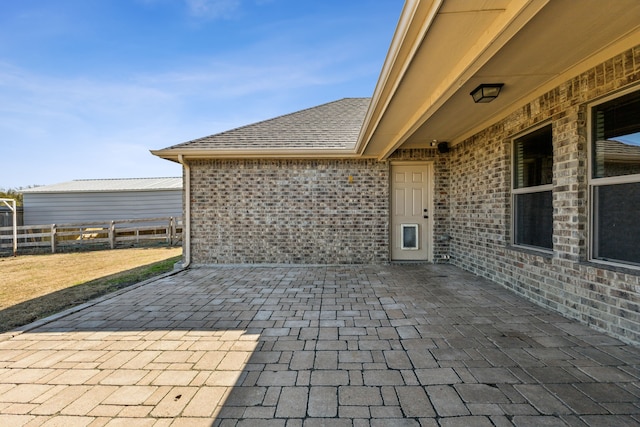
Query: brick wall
480	208
308	211
289	211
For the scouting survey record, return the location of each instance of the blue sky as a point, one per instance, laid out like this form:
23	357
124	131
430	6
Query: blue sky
88	87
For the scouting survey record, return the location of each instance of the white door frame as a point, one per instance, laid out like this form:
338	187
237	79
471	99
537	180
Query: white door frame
428	222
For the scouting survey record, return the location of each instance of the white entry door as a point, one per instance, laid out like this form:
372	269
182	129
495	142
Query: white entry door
410	212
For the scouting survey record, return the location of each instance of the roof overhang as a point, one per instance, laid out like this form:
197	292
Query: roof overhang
443	49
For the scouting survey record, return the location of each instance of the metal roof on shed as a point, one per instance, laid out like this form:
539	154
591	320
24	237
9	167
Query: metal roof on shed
104	185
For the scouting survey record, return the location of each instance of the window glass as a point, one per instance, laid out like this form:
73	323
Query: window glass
616	137
618	212
533	196
615	165
534	219
534	159
409	236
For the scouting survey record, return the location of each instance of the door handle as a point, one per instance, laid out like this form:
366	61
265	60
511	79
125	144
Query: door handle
425	213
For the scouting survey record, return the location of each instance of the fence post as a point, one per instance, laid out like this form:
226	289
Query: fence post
112	234
15	229
172	230
54	232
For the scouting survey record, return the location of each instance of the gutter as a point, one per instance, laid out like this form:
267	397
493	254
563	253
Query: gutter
173	154
186	232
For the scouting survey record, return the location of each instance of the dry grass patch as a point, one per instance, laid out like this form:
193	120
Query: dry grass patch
35	286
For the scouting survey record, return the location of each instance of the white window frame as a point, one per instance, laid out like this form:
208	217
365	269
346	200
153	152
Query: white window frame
593	183
526	190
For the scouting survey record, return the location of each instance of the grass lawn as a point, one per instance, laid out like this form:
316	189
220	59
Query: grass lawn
36	286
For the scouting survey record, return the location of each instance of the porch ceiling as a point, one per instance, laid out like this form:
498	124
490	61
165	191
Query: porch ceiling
443	49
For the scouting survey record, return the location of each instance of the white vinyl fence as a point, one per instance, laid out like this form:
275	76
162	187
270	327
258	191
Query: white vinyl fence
96	235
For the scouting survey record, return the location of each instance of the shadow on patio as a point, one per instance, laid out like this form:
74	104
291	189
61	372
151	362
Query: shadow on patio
346	345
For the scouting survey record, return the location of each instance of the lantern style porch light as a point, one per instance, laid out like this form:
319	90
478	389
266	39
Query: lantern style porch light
486	92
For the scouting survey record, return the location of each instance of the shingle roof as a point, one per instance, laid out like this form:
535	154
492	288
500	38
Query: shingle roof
621	150
335	125
99	185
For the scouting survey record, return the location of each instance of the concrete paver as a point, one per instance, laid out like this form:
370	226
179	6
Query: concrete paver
405	345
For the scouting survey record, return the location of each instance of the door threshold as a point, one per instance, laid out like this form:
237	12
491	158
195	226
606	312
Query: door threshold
410	262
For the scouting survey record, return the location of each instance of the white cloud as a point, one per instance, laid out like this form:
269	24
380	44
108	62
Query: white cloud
212	9
91	126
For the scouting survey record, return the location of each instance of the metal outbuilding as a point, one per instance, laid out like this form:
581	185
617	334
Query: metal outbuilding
103	199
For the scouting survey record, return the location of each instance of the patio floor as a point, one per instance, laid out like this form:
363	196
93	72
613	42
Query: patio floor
407	345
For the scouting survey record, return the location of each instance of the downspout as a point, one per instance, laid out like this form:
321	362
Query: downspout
186	232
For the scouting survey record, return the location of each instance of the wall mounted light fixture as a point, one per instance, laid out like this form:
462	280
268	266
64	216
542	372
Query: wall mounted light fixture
486	92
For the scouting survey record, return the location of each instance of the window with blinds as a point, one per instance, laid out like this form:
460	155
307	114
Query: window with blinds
532	189
615	179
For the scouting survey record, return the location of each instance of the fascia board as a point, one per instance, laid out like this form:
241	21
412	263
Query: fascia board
385	86
174	155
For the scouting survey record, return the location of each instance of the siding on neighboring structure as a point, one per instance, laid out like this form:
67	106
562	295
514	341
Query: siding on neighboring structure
103	200
6	216
60	208
289	211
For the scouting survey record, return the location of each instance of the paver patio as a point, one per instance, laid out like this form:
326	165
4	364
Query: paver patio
404	345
